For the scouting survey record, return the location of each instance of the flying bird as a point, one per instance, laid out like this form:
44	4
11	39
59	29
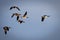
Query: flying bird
25	15
44	17
6	28
16	14
21	21
14	7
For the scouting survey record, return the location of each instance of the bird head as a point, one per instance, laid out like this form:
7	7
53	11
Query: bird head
46	16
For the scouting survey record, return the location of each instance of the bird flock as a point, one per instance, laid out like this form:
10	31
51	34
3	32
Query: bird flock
6	28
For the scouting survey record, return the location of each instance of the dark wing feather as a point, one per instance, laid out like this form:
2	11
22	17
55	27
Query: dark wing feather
21	21
4	28
12	7
5	32
12	15
7	28
42	19
17	17
25	14
18	8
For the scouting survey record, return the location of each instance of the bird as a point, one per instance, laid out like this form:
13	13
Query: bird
6	28
44	17
14	7
21	21
16	14
25	15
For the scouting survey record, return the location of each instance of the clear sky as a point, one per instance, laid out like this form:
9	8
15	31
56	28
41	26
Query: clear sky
33	28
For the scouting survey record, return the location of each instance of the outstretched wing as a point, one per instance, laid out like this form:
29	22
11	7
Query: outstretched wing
42	19
7	28
12	15
25	14
18	8
21	21
17	17
5	32
12	7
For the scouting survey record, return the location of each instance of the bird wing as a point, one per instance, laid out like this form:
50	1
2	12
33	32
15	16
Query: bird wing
7	28
25	14
12	7
42	19
5	32
17	17
18	8
12	15
22	21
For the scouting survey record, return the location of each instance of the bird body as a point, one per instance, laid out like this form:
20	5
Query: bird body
16	14
6	29
25	15
44	17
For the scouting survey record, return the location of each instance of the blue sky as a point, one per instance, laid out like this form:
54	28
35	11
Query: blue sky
33	28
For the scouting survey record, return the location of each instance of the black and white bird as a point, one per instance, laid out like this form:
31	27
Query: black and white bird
16	14
21	21
14	7
25	15
6	28
44	17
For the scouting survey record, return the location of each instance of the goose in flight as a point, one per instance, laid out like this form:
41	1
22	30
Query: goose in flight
14	7
44	17
6	28
16	14
25	15
21	21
